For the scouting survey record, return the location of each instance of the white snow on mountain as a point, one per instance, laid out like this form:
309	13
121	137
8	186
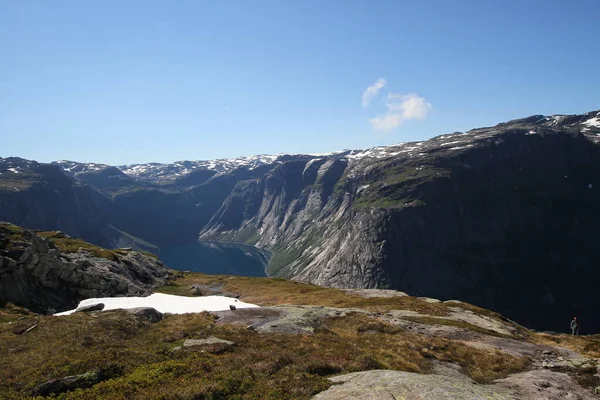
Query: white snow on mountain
595	122
166	173
80	168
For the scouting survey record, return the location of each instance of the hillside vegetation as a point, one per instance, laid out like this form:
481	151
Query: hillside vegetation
140	360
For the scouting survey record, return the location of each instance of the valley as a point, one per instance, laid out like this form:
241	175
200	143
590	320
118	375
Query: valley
503	217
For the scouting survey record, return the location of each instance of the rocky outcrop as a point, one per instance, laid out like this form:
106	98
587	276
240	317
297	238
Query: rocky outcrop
74	382
36	275
66	384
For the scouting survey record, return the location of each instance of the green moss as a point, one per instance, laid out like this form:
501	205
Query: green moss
71	245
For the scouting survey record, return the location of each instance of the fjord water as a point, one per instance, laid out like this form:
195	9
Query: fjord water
216	258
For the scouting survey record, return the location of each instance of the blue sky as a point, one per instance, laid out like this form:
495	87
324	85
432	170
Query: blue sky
138	81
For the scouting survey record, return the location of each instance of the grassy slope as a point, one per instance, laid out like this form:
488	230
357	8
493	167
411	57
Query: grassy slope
274	291
271	366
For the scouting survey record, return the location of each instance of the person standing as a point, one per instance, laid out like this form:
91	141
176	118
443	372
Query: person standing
575	326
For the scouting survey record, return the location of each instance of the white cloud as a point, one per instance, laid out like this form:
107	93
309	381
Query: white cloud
372	91
401	107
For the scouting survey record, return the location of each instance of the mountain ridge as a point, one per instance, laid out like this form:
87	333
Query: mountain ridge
479	208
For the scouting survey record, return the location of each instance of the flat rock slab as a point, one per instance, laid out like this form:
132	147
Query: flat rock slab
545	385
205	342
429	300
395	385
249	316
303	319
283	319
369	293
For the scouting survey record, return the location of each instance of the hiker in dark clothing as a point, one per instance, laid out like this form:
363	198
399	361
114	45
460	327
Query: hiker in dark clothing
575	325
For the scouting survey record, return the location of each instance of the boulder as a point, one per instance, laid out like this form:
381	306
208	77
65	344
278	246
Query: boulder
148	313
66	384
195	290
90	308
73	382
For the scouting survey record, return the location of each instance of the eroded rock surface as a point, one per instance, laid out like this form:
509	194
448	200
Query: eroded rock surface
394	385
36	275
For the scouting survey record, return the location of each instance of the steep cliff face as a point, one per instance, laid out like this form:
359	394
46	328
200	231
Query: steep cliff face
173	215
503	217
42	196
52	272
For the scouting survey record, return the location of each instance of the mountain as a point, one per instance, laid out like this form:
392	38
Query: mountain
161	173
504	217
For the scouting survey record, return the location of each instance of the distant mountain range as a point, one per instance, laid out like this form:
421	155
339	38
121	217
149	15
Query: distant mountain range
506	217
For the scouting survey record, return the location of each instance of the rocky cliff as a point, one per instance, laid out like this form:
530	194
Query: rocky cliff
48	272
503	217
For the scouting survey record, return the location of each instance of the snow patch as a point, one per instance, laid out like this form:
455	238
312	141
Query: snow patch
360	189
451	143
595	122
557	119
166	303
325	154
460	147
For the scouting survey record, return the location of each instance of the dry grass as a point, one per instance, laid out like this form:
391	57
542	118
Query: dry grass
260	366
10	313
410	352
588	345
269	291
